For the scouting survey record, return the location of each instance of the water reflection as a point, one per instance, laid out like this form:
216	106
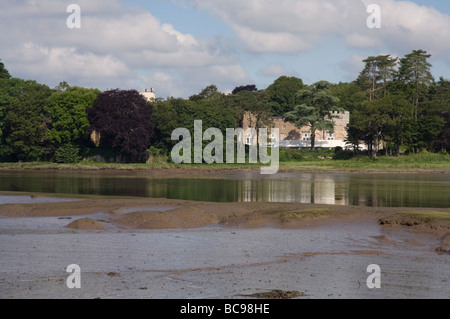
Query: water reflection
348	189
311	189
333	189
330	189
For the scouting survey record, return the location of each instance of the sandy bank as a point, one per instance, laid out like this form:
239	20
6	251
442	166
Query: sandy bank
151	213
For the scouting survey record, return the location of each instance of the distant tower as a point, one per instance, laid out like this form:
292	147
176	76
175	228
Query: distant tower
149	95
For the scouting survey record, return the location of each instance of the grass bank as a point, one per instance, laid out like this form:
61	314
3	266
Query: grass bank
308	161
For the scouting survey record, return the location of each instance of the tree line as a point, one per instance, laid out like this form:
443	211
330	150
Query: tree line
394	102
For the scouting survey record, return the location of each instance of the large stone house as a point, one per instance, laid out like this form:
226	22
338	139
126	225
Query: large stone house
149	95
290	136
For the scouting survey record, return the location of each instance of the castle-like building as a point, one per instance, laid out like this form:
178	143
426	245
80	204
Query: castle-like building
149	95
289	136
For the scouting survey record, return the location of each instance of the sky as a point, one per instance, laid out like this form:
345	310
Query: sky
178	47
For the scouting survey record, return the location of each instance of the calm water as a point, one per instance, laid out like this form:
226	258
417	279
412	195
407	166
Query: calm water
383	190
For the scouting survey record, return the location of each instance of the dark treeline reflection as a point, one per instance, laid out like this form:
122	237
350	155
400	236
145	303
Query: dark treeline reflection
334	189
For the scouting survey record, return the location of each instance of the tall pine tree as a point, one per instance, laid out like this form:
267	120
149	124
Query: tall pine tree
414	73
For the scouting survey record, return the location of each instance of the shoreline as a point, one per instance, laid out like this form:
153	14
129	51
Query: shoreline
208	171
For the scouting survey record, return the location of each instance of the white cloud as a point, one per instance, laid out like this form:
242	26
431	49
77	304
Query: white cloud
273	71
114	46
282	26
353	66
125	46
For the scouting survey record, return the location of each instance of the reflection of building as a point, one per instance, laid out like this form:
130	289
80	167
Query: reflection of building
309	189
290	136
149	95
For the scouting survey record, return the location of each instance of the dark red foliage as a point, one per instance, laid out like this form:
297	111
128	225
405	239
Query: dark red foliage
124	121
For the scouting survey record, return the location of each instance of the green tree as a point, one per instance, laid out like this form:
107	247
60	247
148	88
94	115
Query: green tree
283	93
25	123
387	118
376	74
350	95
256	103
4	74
66	112
414	73
180	113
441	103
398	108
5	96
209	93
317	109
165	119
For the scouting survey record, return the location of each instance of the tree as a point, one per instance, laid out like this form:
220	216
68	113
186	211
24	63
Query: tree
124	121
387	118
350	95
209	93
386	70
376	74
283	94
251	88
4	74
66	112
317	109
257	104
439	108
25	126
414	73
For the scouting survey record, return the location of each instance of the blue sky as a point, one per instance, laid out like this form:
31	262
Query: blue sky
181	46
310	66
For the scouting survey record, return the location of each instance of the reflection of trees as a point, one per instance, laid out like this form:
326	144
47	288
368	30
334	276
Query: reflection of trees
332	189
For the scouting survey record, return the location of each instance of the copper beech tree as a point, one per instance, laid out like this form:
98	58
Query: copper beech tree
123	119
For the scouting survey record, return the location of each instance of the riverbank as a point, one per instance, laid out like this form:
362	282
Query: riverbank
412	164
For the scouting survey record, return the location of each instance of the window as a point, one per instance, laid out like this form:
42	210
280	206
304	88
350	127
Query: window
306	136
331	136
249	139
283	127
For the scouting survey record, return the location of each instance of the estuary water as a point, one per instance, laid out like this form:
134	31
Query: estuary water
378	190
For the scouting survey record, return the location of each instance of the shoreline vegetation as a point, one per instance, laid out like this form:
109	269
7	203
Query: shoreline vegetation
413	163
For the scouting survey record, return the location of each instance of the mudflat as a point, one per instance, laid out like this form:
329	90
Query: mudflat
151	213
165	248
